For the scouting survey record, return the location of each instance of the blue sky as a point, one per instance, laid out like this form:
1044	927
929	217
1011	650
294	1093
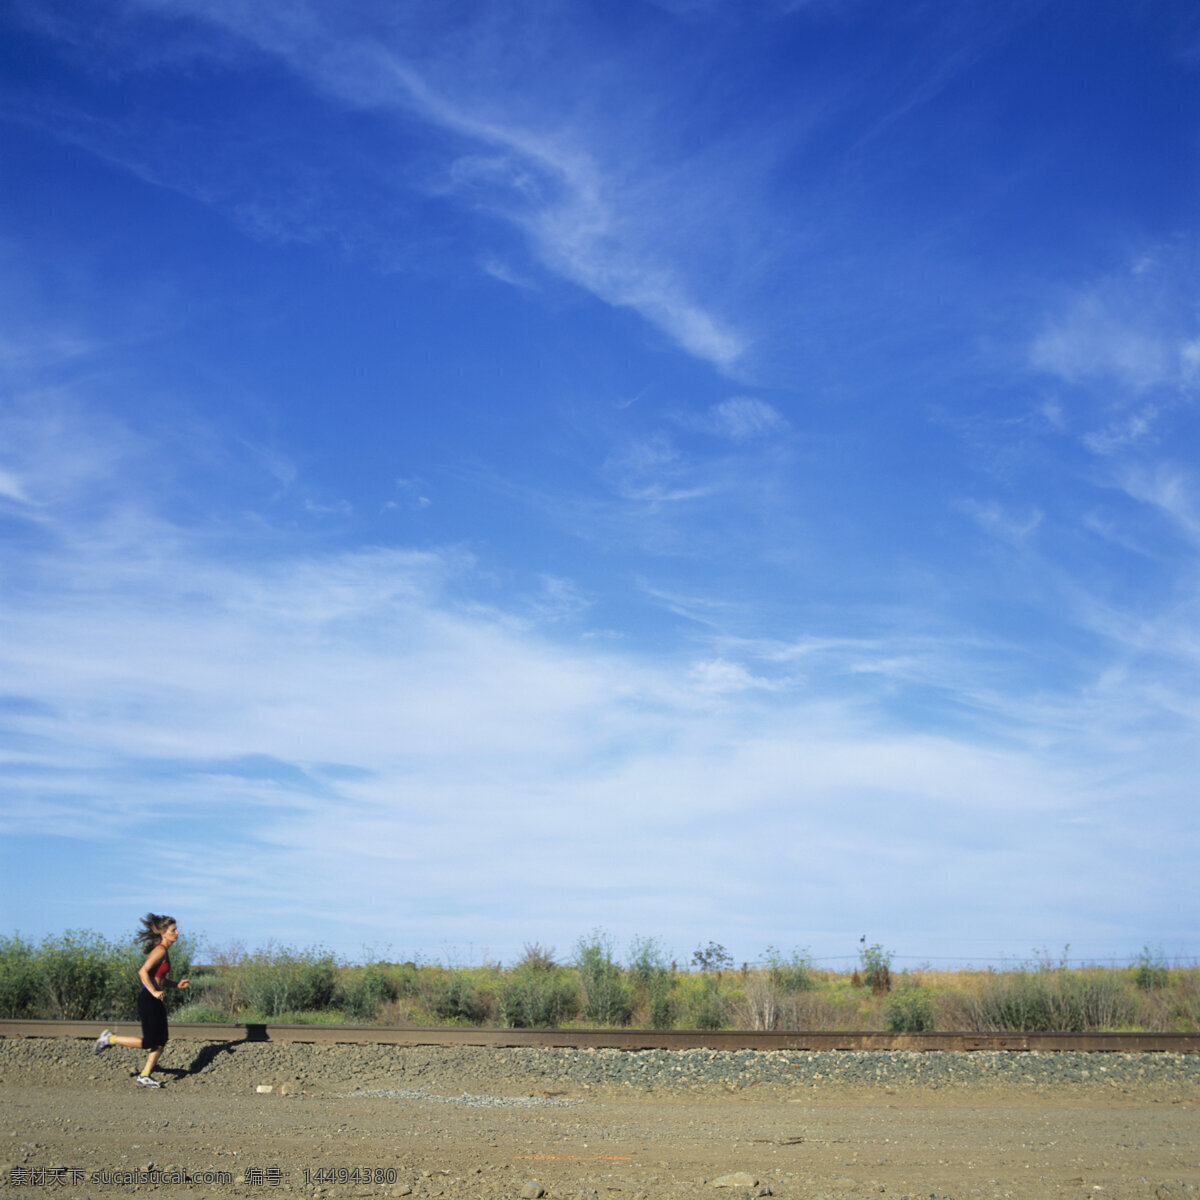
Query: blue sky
704	469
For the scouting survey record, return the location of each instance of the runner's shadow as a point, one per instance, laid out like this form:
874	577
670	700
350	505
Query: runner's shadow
212	1050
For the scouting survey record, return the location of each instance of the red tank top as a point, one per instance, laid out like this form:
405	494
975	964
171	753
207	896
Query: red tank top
163	967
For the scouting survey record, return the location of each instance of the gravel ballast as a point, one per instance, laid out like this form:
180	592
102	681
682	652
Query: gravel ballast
345	1068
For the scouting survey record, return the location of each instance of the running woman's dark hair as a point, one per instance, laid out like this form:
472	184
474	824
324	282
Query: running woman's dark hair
153	927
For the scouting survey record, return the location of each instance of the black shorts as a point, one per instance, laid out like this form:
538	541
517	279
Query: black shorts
153	1013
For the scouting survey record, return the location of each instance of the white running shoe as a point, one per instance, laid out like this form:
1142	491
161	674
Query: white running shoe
102	1042
146	1081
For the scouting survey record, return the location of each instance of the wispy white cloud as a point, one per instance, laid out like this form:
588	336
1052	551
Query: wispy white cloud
411	495
335	508
1169	488
740	419
584	220
1136	329
559	599
1093	341
1123	434
653	470
997	520
11	488
56	453
719	675
505	272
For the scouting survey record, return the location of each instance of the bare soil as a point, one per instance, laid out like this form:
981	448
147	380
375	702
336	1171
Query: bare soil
605	1143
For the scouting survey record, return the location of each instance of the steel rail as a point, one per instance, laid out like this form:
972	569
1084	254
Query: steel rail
630	1039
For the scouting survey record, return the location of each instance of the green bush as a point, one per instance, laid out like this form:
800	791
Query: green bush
1150	973
206	987
19	979
1055	1001
77	976
1096	999
790	975
215	991
663	1012
362	991
650	978
607	997
275	981
909	1010
712	1012
456	1000
702	1004
876	966
538	998
647	963
537	957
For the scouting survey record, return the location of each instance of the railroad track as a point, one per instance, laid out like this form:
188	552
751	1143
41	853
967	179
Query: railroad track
629	1039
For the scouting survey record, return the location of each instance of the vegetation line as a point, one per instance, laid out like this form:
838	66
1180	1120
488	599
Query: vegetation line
83	976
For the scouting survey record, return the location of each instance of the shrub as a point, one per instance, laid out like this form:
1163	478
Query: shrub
650	977
209	988
1186	1001
456	1000
702	1004
647	963
1095	999
74	973
1151	972
876	966
538	998
790	975
18	978
909	1010
815	1010
214	991
222	986
406	978
363	991
537	957
276	981
662	1009
1055	1001
607	998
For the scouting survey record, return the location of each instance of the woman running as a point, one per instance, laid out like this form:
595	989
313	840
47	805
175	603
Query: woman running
157	935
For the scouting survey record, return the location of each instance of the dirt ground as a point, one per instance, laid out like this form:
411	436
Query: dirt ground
93	1140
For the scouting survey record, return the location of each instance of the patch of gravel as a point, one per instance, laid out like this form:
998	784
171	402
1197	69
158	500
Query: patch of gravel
451	1072
466	1100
